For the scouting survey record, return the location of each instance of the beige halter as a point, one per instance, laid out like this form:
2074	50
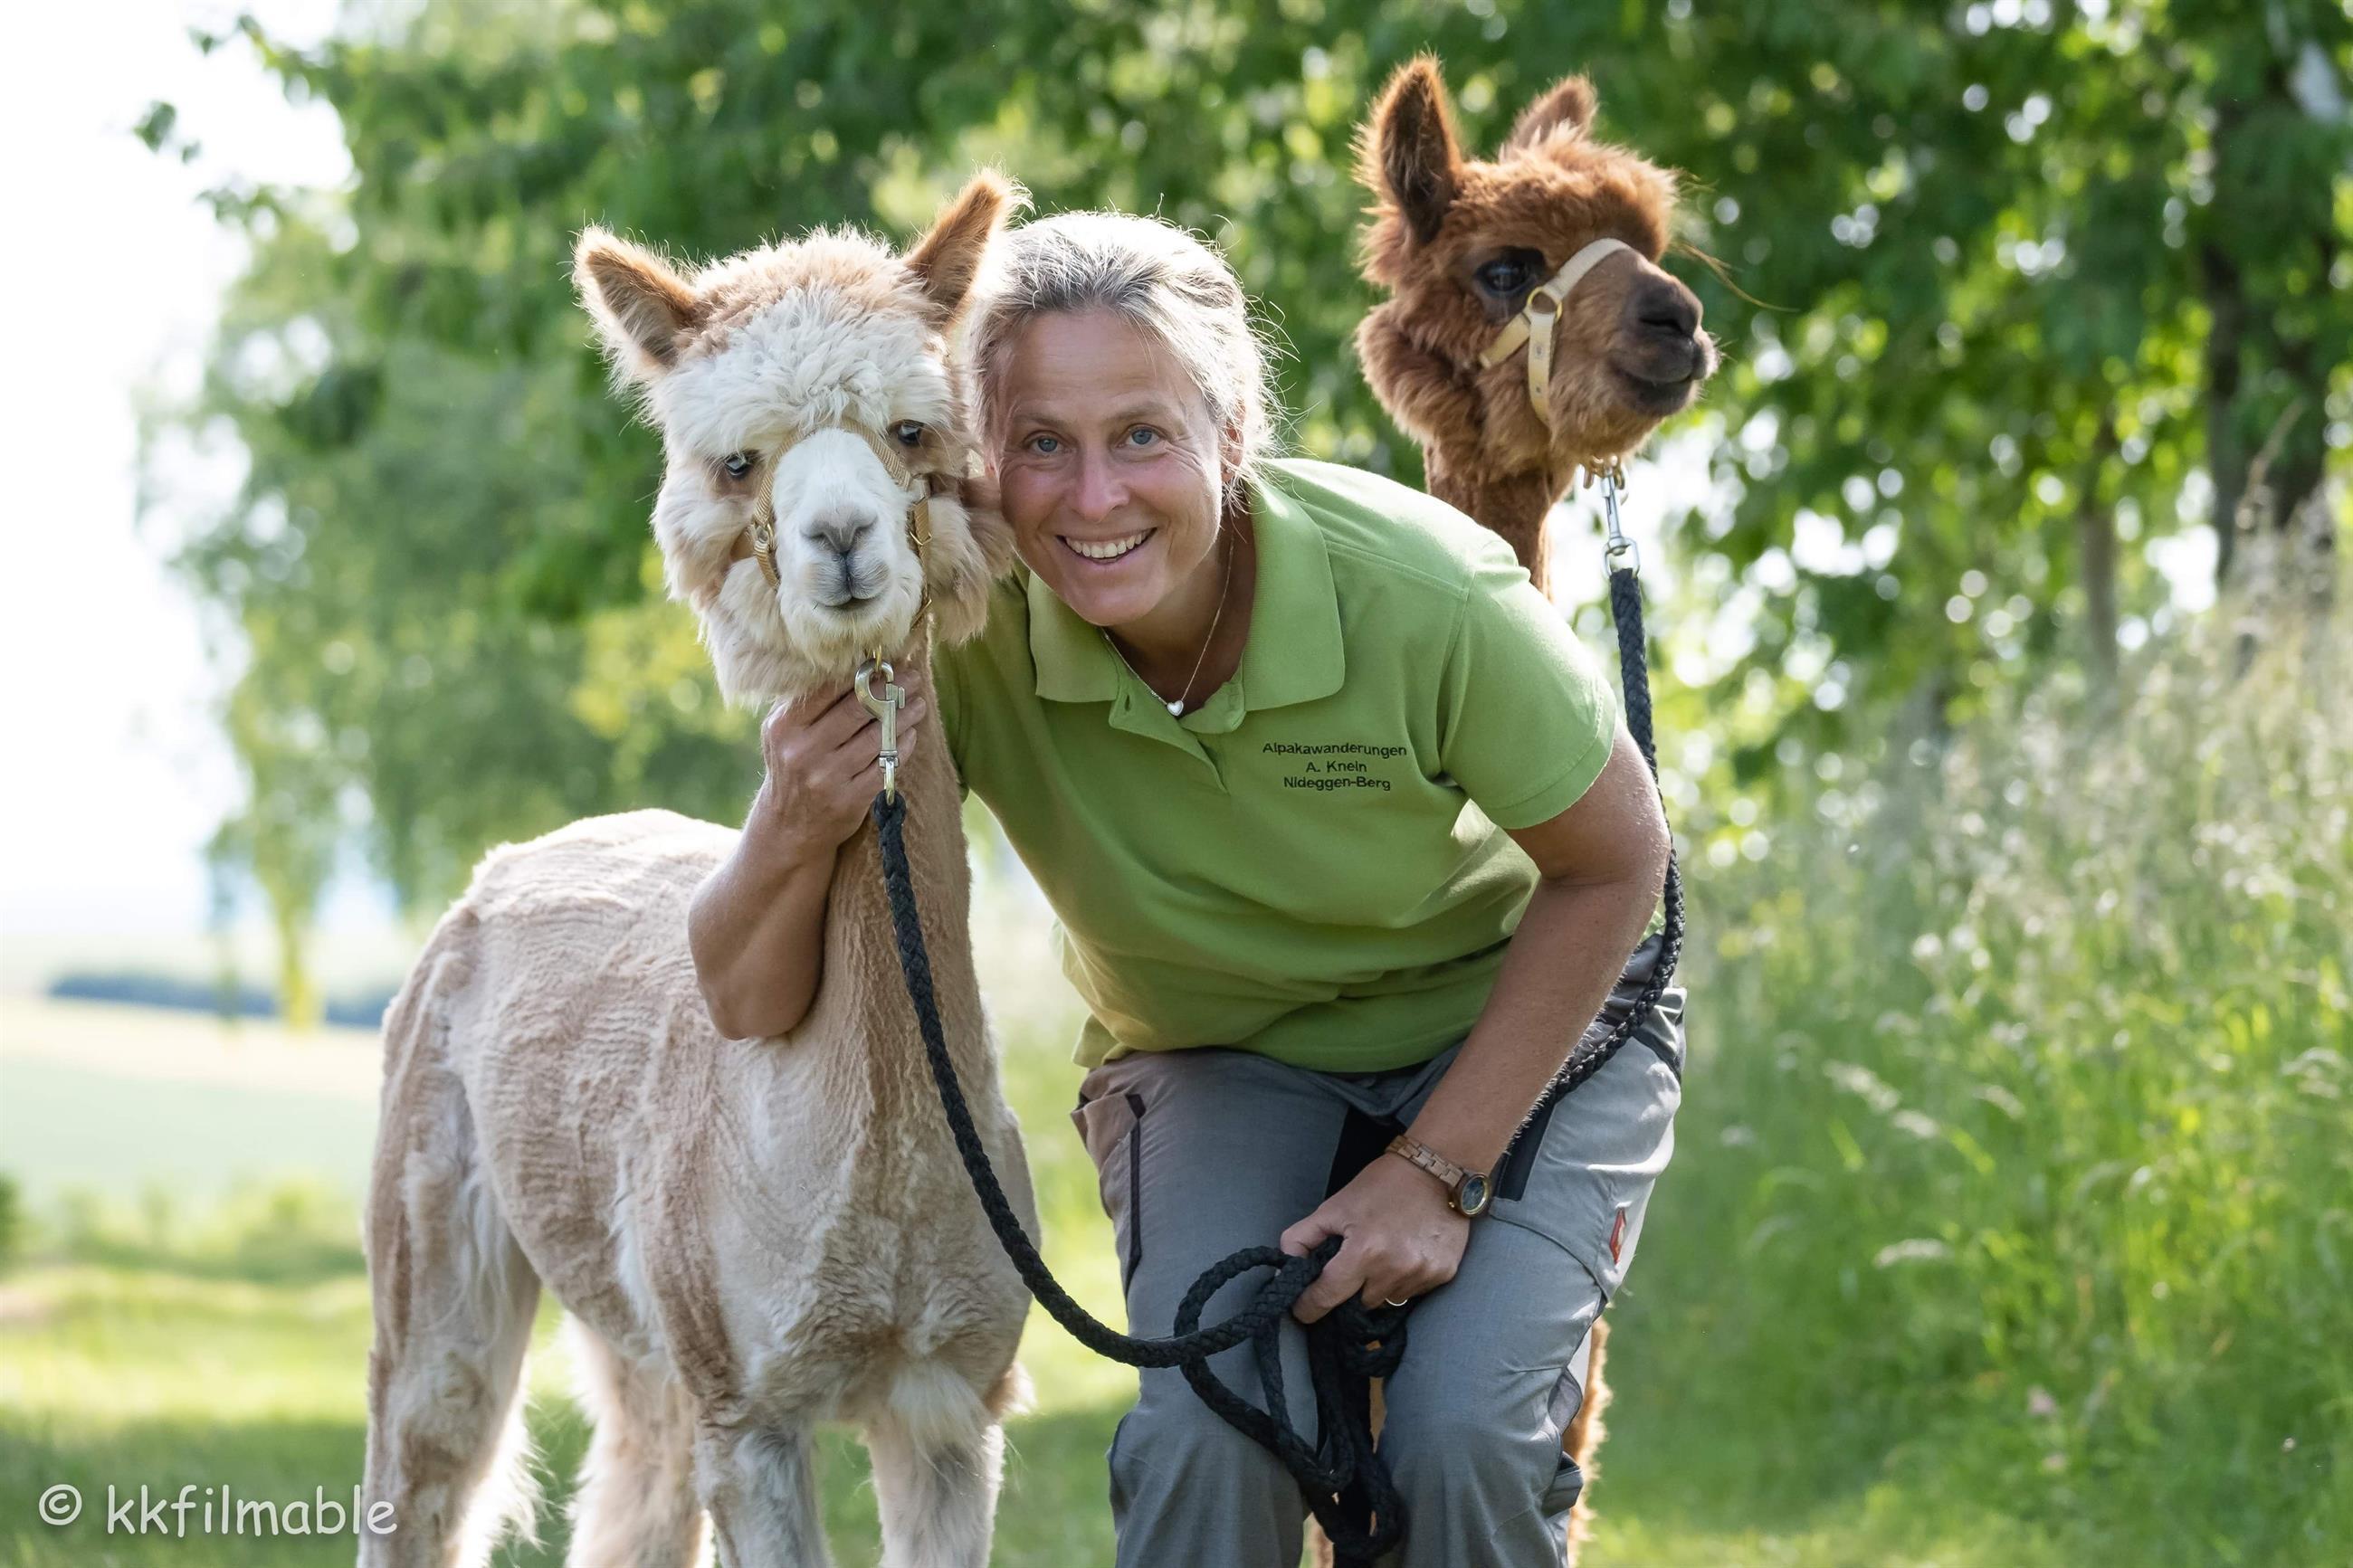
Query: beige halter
1537	319
759	542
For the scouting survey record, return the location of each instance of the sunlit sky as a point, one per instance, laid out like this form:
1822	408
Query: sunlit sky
117	772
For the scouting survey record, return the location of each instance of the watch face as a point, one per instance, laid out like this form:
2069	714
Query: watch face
1472	1196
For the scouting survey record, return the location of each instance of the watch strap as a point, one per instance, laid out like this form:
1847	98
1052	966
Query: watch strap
1429	1160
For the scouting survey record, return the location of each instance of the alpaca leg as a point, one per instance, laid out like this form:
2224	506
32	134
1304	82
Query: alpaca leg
1583	1441
760	1487
453	1299
937	1498
636	1506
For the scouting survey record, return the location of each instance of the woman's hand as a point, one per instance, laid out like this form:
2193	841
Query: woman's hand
824	758
1404	1238
757	927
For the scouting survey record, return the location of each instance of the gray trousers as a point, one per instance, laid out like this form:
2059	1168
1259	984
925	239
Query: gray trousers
1200	1152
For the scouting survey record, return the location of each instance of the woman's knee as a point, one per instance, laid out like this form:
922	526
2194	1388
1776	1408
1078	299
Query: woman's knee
1455	1453
1177	1441
1187	1489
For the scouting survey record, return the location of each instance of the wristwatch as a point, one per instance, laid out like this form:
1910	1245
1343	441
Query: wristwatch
1468	1192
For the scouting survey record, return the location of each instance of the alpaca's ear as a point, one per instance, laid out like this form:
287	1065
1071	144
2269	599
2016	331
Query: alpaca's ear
1410	154
642	308
946	261
1568	109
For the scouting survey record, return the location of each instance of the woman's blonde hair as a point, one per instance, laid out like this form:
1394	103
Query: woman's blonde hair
1157	278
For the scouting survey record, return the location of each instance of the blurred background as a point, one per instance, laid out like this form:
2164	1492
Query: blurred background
2001	650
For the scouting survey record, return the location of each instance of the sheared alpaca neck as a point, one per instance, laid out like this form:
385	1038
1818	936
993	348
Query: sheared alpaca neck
1512	505
862	1012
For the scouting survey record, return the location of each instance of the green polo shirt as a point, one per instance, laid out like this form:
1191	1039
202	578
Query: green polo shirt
1311	863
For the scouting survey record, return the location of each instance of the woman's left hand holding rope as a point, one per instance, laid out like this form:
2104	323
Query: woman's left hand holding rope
1402	1239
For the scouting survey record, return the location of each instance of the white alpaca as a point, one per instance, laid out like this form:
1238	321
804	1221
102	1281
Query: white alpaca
750	1236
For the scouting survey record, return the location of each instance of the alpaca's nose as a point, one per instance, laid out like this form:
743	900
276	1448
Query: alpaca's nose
1664	309
841	531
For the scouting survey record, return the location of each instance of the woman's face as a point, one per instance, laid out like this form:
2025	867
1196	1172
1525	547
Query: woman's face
1109	465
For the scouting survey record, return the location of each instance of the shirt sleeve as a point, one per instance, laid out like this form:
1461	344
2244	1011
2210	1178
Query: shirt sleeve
1528	715
948	705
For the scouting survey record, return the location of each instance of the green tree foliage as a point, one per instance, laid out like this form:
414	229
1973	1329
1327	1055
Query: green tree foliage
2043	261
2029	268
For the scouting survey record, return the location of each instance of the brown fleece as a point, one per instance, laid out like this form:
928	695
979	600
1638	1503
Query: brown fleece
1436	219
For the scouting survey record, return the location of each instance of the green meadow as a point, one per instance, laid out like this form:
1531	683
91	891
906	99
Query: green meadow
2011	1224
223	1342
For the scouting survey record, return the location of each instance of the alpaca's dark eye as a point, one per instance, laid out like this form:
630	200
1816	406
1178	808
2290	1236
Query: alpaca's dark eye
910	433
738	464
1510	272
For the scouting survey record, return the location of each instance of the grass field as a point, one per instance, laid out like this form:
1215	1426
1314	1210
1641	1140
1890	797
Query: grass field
2011	1226
220	1339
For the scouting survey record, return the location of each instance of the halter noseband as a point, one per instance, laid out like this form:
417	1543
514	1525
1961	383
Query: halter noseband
759	541
1534	324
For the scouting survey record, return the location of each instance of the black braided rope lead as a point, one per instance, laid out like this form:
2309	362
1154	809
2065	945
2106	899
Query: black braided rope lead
1349	1486
1634	679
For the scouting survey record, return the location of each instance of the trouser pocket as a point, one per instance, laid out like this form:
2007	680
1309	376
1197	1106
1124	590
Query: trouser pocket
1109	1120
1566	1486
1581	1173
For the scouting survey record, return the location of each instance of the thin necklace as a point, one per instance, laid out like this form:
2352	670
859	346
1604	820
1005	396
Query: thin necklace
1176	708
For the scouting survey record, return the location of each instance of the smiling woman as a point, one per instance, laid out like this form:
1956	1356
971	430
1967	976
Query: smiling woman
1113	466
1347	844
1125	399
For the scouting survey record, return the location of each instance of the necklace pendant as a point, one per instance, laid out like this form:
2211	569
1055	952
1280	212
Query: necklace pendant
1176	708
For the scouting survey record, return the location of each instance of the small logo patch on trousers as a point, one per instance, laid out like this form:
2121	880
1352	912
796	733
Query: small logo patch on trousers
1617	1237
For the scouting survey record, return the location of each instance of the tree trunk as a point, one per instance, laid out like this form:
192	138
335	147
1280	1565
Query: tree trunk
2290	468
2269	581
2318	535
2226	453
300	1008
2095	552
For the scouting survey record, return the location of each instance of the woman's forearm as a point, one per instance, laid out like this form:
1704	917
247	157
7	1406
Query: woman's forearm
1566	956
756	928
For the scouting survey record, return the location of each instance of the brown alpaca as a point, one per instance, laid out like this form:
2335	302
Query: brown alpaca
1461	244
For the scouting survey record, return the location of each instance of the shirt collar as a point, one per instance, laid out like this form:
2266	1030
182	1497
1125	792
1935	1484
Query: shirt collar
1294	653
